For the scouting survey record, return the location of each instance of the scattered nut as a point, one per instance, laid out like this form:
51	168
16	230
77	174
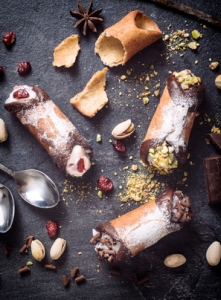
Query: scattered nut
213	254
3	131
218	81
174	260
123	130
37	250
214	65
57	249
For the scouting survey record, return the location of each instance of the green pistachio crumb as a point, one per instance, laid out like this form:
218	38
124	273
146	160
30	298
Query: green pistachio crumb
100	194
98	138
196	34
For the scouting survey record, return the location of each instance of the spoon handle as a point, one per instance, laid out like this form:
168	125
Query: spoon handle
7	170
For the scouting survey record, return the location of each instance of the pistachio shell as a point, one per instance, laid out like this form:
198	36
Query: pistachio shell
174	260
37	250
213	254
123	130
57	248
3	131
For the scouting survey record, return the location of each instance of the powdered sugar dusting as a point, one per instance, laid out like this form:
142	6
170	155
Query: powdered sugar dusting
175	116
151	228
50	127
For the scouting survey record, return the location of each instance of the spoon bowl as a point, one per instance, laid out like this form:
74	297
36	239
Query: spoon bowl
7	209
35	187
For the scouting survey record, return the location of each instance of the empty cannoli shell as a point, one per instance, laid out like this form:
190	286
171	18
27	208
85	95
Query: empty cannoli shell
147	224
55	132
173	119
118	43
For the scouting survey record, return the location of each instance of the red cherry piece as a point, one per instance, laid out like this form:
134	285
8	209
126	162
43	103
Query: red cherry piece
24	67
20	94
52	228
105	184
119	146
80	165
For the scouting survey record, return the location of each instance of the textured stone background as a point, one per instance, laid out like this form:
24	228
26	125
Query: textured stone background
40	26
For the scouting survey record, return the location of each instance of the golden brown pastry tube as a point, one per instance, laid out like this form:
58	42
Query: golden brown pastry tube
118	43
142	227
56	133
174	117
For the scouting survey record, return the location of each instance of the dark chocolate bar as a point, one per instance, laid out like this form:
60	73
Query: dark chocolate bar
212	170
215	139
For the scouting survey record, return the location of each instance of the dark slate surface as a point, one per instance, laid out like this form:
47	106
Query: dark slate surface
40	26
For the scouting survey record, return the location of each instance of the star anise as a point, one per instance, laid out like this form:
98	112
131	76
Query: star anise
86	18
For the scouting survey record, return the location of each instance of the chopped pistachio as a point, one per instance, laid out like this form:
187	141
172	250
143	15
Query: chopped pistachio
214	65
98	138
100	194
162	157
134	167
157	85
196	34
192	45
156	93
29	263
145	100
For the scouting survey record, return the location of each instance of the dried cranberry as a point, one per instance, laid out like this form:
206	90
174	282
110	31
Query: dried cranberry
80	165
20	94
52	228
105	184
119	146
24	67
9	38
1	70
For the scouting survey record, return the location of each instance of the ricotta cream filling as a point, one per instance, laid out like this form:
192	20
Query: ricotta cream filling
78	153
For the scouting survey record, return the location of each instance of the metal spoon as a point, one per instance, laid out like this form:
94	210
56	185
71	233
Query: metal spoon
7	209
35	187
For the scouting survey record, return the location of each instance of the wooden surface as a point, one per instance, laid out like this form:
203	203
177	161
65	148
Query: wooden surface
40	26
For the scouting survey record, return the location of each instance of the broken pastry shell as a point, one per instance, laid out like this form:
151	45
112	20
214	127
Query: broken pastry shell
66	52
123	130
118	43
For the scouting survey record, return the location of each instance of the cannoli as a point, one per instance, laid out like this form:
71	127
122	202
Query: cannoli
118	43
55	132
166	140
124	237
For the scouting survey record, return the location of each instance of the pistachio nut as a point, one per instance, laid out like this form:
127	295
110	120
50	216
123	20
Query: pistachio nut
123	130
174	260
213	254
37	250
57	249
3	131
218	82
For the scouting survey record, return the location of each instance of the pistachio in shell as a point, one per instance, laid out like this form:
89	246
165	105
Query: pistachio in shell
174	260
218	81
123	130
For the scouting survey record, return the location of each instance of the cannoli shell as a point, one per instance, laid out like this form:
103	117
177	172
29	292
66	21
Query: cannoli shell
141	227
173	119
48	124
118	43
